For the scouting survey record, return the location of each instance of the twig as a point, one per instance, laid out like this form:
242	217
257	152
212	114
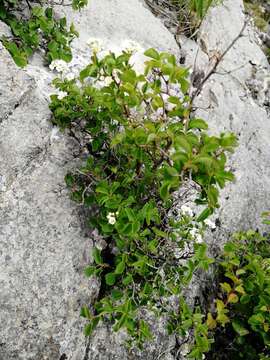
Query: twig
231	71
216	63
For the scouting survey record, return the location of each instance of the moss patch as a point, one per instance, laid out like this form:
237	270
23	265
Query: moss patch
259	13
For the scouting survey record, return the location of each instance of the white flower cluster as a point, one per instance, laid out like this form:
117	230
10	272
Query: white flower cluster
62	67
70	76
112	217
95	44
186	210
210	224
197	237
108	80
103	81
61	94
59	65
132	46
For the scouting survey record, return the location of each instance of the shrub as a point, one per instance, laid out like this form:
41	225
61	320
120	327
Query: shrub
143	143
242	311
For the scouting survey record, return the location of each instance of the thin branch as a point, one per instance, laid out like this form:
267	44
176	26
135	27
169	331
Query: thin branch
216	63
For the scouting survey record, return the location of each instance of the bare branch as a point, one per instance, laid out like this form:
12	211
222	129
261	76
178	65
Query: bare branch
218	60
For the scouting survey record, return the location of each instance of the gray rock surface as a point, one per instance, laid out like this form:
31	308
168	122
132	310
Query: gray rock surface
236	108
43	242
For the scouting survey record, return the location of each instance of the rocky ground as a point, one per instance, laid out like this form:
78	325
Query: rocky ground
44	243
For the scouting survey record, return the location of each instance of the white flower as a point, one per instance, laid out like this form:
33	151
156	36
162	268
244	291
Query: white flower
210	224
132	46
95	44
197	237
70	76
171	151
61	95
185	349
186	210
108	80
115	75
111	218
173	92
193	232
161	273
59	66
99	246
177	253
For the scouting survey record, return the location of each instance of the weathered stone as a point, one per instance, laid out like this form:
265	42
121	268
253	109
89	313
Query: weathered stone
42	243
14	85
232	108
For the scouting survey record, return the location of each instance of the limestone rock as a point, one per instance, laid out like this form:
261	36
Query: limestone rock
232	106
42	243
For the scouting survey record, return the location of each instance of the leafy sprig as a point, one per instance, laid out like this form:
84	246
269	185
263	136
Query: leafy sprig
39	29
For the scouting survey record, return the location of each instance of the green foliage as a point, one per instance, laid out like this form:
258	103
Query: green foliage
260	14
242	315
39	29
144	143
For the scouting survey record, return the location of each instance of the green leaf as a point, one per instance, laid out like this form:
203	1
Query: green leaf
164	190
110	279
204	214
103	188
97	256
226	287
239	327
117	294
152	53
70	180
245	299
198	124
89	328
182	142
85	312
256	320
90	270
145	330
127	280
129	76
120	268
212	194
233	298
